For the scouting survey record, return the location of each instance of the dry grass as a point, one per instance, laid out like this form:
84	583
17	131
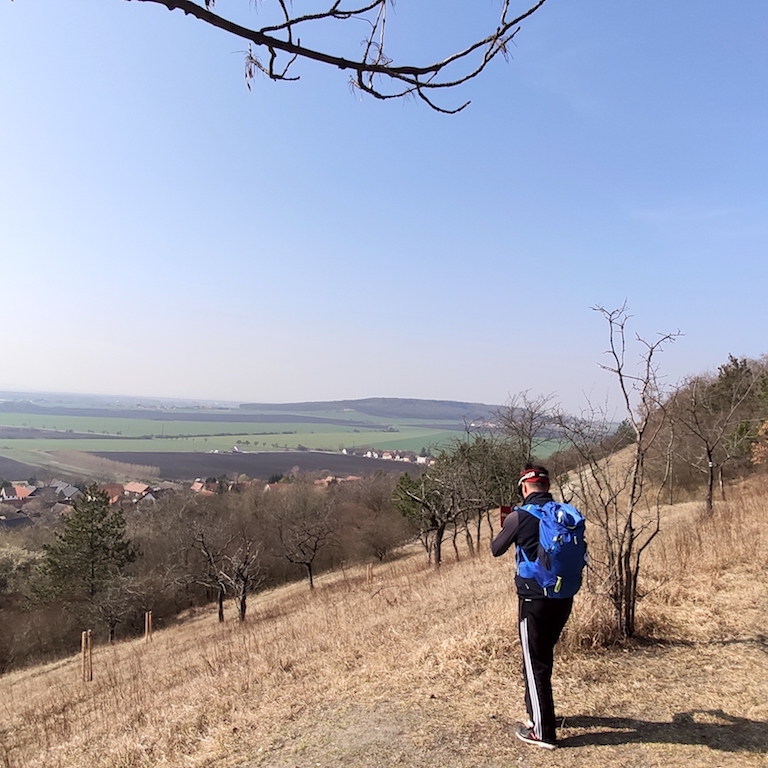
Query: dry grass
423	668
90	465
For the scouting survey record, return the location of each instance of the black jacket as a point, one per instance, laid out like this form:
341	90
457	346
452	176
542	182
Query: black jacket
522	529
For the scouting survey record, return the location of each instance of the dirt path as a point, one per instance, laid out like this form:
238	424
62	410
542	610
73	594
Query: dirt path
700	701
702	705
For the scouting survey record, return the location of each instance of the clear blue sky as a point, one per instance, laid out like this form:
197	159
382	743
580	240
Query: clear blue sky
166	232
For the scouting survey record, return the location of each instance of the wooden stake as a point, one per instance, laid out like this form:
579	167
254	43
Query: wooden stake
148	626
83	646
86	649
369	574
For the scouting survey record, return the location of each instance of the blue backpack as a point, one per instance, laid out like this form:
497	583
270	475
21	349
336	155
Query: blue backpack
562	552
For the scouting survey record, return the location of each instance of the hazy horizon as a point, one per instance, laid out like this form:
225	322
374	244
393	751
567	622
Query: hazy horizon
40	394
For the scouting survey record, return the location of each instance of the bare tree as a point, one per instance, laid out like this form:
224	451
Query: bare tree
170	565
476	473
530	423
231	567
429	502
612	489
720	417
304	521
115	603
373	525
486	472
279	37
243	571
213	576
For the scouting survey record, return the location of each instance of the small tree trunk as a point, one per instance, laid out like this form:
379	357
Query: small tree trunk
221	605
438	546
671	486
629	601
470	542
710	487
426	542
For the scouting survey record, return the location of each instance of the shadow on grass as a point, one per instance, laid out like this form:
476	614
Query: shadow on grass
759	641
705	727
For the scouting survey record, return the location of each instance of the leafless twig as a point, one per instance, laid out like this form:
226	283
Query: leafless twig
374	72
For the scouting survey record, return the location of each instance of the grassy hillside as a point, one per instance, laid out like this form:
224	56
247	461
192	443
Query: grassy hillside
422	668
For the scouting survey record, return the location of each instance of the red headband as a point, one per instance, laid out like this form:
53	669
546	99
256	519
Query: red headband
533	474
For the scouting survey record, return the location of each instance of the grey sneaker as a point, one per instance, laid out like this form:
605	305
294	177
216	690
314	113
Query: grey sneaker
529	737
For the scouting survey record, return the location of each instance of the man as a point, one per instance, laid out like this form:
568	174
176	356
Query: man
541	618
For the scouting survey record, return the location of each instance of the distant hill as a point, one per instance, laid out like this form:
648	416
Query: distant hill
390	408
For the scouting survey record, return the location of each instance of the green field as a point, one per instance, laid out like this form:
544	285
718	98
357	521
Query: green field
140	427
407	439
33	434
106	434
76	440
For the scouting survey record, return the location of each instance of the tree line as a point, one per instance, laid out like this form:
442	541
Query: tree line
103	567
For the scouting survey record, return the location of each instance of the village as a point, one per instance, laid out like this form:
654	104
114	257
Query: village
23	502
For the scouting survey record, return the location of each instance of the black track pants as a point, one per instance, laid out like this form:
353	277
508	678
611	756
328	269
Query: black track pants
541	622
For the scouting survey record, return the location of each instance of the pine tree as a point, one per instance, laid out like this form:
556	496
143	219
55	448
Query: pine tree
90	551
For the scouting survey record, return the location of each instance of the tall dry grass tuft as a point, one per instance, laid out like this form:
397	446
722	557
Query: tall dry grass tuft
429	655
712	565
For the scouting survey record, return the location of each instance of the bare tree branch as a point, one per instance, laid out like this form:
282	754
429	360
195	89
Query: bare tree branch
374	72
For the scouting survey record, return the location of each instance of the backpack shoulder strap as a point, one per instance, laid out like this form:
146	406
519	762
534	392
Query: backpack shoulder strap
532	509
